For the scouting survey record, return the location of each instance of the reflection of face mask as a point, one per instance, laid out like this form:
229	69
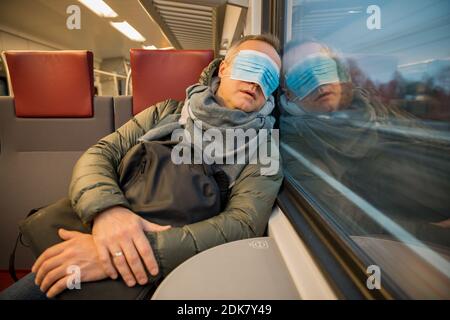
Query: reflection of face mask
309	74
257	67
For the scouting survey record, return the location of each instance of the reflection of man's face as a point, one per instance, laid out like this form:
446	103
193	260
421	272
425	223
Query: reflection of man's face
327	97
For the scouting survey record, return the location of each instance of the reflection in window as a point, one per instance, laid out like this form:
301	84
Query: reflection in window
365	129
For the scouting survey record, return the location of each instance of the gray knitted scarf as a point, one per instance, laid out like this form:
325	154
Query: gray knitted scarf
202	111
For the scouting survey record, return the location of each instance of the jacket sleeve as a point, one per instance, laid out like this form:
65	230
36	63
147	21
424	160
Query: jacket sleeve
245	216
94	184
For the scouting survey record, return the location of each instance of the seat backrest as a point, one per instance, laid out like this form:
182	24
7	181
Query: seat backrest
49	84
44	128
158	75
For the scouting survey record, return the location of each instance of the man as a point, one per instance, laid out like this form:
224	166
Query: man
122	243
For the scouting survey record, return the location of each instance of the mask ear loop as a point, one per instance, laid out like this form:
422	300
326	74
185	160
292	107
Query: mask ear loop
229	60
288	96
228	65
287	92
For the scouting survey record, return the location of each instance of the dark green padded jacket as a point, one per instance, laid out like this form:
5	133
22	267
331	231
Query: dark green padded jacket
94	188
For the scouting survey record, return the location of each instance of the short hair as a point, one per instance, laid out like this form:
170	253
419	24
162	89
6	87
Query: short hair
265	37
295	43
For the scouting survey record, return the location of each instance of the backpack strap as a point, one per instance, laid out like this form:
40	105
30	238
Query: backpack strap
12	260
12	256
223	182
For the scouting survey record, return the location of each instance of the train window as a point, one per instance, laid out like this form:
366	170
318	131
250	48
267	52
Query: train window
365	129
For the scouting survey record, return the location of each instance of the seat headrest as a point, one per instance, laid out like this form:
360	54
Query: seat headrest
51	83
158	75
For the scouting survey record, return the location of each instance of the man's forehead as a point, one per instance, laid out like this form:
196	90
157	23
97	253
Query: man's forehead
298	53
260	46
309	48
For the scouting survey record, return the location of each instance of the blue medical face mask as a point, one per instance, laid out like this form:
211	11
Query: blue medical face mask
257	67
309	74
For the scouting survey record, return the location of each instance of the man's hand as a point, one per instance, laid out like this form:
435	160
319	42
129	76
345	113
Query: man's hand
77	249
119	233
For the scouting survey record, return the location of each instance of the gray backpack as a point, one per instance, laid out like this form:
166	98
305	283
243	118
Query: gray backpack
166	193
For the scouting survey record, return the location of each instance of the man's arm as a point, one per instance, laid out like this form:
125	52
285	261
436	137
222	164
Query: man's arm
245	216
96	197
94	184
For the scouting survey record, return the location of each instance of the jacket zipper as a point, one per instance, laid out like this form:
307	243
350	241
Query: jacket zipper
143	166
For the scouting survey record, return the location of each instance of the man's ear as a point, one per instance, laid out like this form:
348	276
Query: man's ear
222	68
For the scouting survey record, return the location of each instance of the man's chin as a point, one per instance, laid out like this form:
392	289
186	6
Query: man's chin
329	106
246	107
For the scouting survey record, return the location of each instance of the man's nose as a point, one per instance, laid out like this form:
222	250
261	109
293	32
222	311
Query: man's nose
321	88
253	86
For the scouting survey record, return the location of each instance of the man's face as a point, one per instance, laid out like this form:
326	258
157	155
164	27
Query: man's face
243	95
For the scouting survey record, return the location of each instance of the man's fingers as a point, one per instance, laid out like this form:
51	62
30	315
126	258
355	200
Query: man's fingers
52	277
134	262
146	253
107	264
122	266
58	287
50	252
47	266
149	226
67	234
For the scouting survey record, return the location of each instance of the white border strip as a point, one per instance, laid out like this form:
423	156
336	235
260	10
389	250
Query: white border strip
306	274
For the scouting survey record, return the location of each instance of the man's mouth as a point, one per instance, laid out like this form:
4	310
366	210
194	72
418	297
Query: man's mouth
323	95
250	93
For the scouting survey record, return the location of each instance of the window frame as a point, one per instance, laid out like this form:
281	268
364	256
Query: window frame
342	264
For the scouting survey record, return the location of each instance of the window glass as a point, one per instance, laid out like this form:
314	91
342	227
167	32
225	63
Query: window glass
365	129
